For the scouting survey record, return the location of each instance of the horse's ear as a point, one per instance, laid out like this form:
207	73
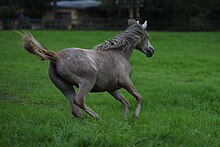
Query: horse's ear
144	26
131	22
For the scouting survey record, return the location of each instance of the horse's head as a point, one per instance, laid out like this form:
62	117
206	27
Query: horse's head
144	44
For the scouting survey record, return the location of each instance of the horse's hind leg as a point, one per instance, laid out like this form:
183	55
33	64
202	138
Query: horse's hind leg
66	88
84	88
121	99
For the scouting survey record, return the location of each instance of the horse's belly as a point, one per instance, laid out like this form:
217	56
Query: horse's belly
106	85
101	89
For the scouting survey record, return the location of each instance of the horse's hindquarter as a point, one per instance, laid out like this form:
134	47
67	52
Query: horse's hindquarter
74	65
105	67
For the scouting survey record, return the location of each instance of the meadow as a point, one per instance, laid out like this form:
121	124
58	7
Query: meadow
180	85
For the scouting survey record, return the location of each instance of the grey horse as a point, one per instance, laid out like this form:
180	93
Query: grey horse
105	68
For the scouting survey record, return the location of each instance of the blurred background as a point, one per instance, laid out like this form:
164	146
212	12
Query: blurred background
163	15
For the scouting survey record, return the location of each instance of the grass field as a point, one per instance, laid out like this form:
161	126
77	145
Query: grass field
180	85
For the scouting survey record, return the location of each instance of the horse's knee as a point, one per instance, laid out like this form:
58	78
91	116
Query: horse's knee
76	111
77	114
140	100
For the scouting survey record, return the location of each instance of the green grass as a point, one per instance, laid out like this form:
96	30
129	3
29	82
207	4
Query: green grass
180	85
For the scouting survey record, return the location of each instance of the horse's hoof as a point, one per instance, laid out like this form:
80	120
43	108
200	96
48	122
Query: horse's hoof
98	118
83	121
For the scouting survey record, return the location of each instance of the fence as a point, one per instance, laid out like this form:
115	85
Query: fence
88	24
105	24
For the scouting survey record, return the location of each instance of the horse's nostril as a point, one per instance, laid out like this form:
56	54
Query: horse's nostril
151	49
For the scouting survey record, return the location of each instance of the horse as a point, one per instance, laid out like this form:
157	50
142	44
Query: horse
106	67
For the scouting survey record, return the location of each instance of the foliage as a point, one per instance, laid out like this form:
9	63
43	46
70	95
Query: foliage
33	9
180	86
182	15
172	14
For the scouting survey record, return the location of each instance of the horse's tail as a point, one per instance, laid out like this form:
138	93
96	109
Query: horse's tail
34	47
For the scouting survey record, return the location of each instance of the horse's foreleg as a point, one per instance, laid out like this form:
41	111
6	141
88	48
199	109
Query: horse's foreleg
121	99
79	100
128	85
66	88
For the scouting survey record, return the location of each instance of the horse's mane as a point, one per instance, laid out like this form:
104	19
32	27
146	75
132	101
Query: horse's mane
129	38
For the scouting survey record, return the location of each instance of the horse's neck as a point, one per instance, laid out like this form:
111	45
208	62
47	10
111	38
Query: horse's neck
128	52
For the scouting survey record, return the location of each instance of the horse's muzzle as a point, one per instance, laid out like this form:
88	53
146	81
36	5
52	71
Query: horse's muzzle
149	52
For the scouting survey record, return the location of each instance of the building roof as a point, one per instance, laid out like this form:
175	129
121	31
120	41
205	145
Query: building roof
83	4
